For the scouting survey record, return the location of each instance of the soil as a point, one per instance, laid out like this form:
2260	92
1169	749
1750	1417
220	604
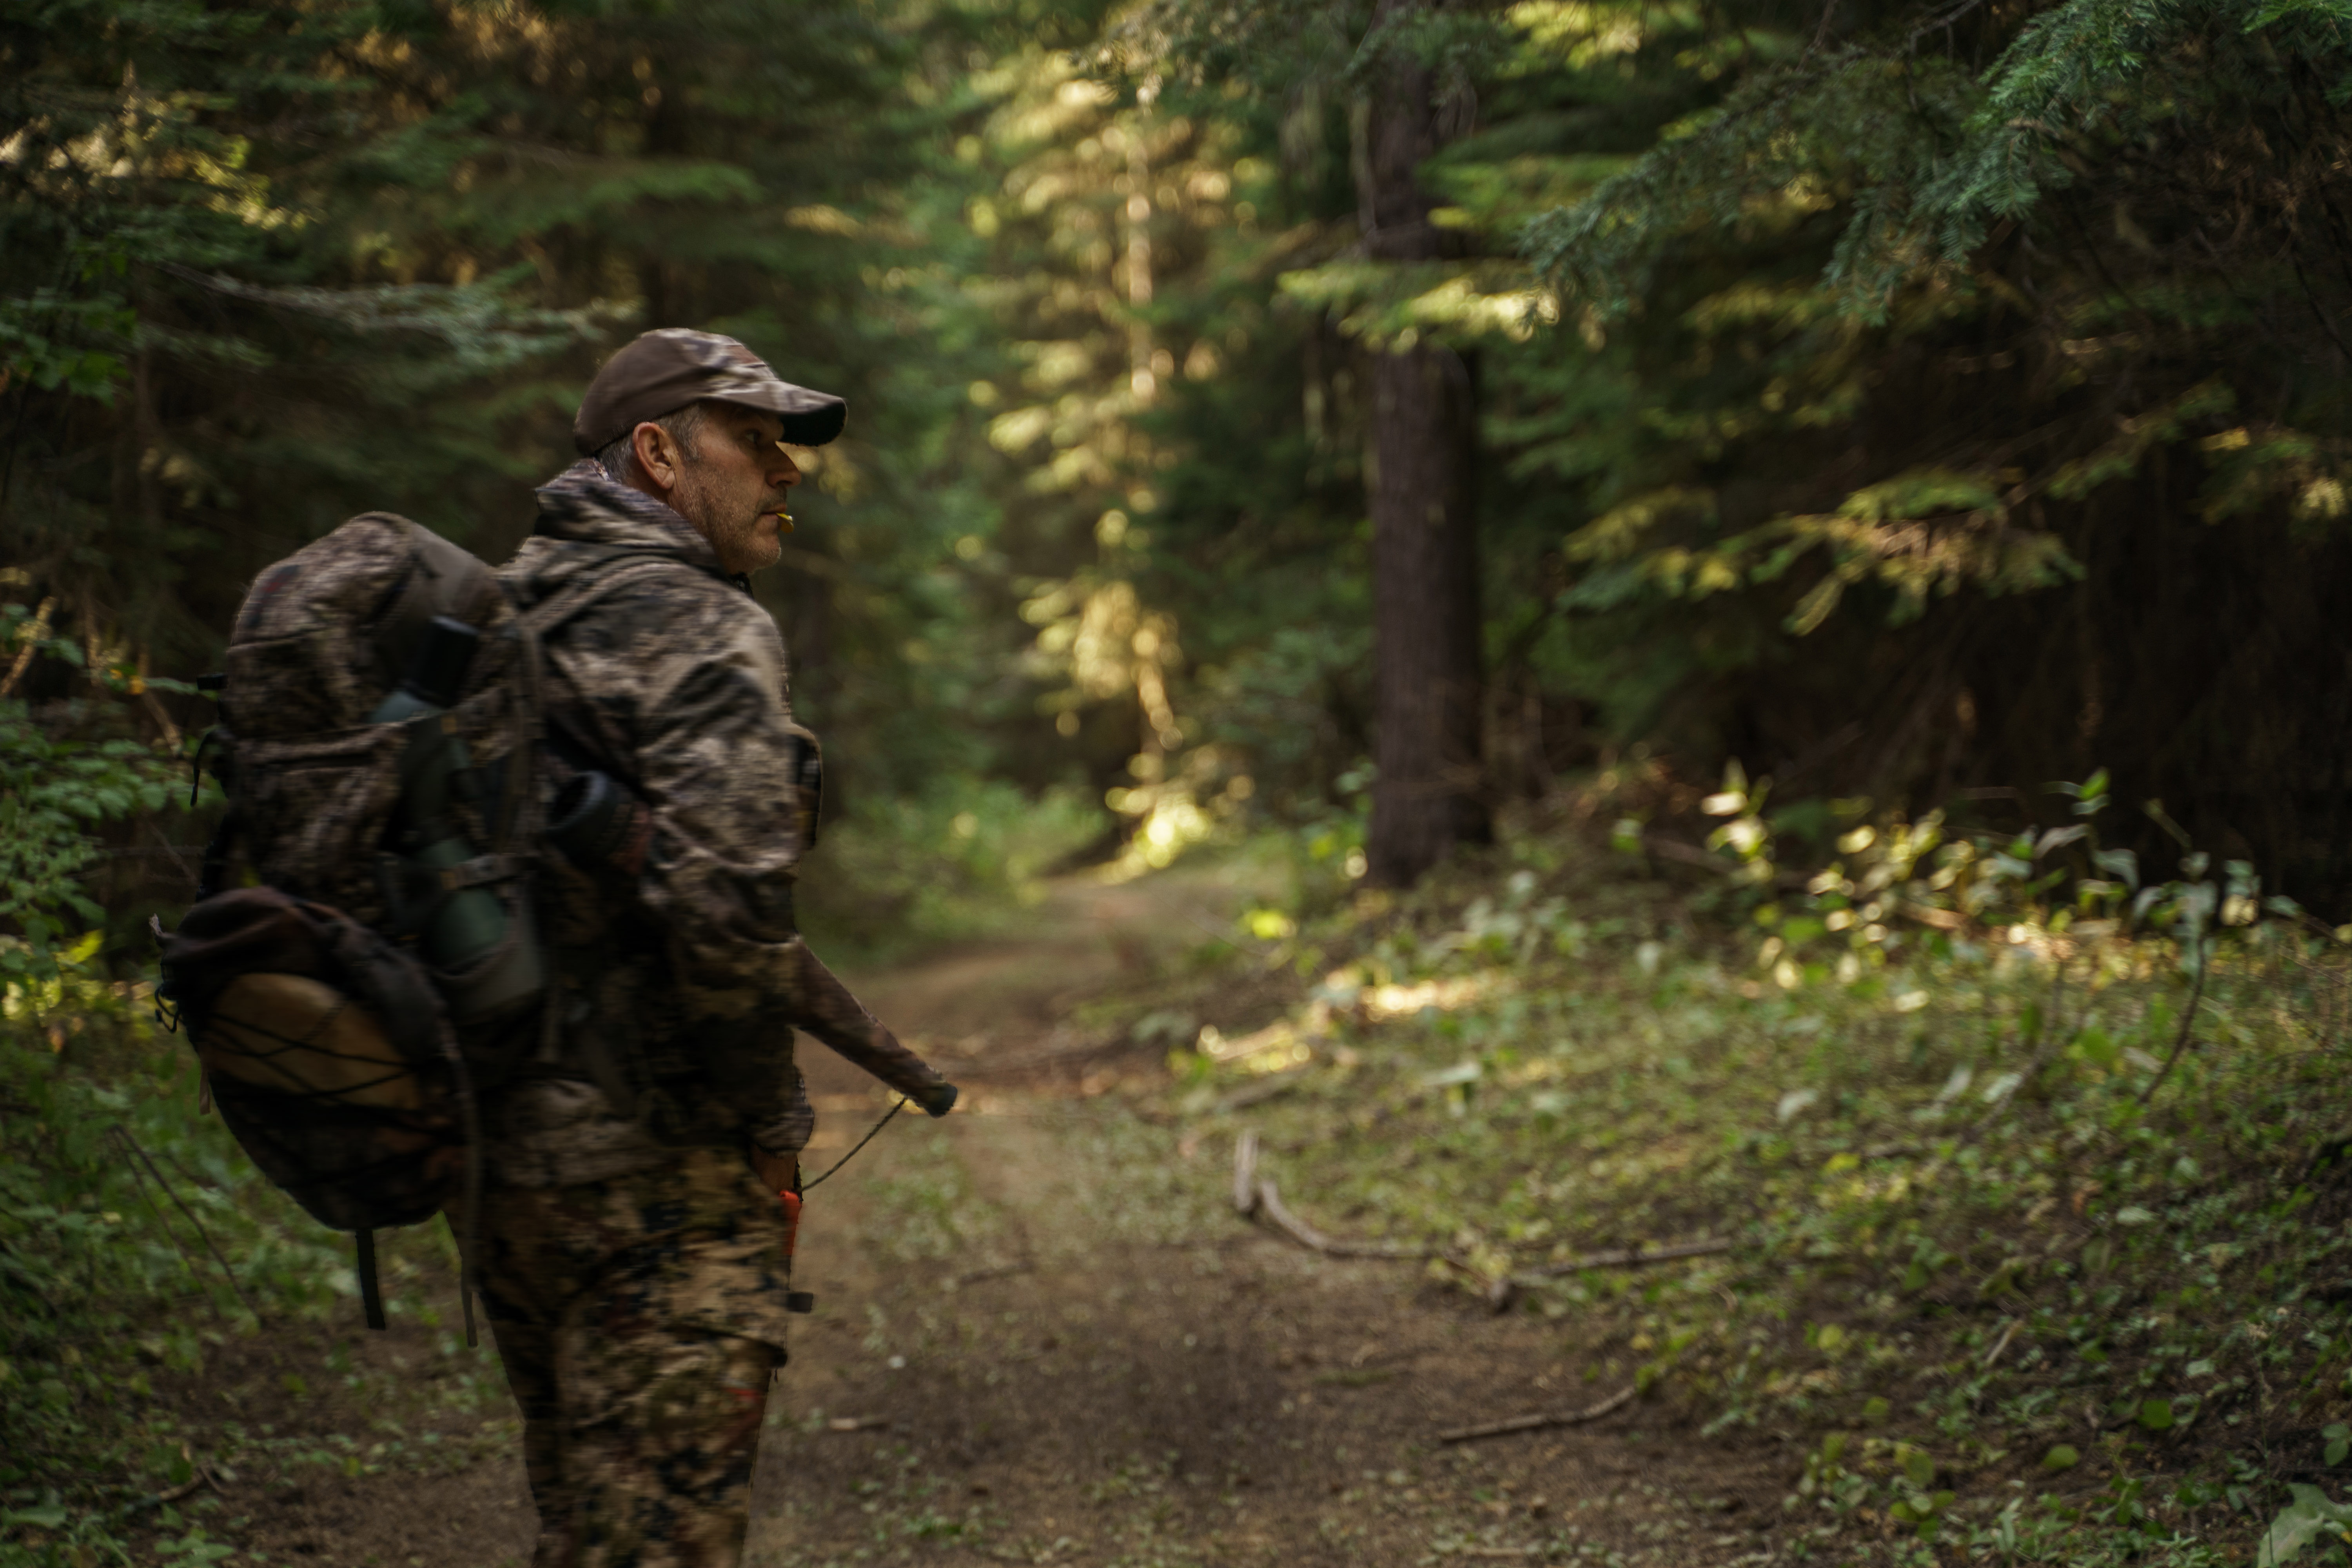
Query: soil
1042	1336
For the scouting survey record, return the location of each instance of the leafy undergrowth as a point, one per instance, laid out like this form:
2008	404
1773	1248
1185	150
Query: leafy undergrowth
2000	1286
900	874
144	1267
160	1304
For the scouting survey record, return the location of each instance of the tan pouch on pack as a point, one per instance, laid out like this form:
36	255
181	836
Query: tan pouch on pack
297	1035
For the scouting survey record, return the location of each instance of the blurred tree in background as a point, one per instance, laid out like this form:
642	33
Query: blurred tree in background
1913	400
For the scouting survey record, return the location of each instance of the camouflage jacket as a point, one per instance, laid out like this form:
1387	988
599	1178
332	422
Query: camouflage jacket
680	976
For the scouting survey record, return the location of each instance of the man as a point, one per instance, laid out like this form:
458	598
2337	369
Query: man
633	1245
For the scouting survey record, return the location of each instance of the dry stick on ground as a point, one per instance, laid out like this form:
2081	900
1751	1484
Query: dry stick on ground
1245	1174
2188	1023
1306	1236
204	1477
1616	1401
1255	1195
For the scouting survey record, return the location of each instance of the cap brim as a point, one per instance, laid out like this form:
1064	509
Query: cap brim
811	418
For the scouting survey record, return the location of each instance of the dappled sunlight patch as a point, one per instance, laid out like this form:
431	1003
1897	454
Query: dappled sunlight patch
1273	1048
1168	813
61	1001
1167	822
1398	1000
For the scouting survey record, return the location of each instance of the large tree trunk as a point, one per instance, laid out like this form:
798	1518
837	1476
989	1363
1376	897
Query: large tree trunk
1421	478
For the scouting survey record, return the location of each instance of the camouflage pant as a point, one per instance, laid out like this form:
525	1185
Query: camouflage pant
640	1319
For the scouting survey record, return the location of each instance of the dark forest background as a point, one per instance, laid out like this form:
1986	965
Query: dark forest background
1912	403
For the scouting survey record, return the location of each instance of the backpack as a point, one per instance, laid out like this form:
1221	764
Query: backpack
380	724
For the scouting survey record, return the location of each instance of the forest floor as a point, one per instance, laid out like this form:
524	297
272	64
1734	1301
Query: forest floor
1042	1336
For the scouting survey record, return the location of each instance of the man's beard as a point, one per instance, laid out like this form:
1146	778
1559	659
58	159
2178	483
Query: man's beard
740	545
733	536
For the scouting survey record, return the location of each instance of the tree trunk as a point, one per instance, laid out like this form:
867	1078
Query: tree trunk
1420	475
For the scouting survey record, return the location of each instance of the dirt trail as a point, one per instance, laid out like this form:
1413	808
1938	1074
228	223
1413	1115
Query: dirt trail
1042	1336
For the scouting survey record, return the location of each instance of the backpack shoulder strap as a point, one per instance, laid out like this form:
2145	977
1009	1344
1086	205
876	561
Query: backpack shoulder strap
529	627
614	571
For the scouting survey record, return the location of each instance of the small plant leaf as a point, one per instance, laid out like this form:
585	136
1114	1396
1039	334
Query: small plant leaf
2299	1523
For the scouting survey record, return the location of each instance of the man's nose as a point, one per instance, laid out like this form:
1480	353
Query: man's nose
782	472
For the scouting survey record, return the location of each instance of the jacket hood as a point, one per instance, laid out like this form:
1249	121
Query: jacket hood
585	506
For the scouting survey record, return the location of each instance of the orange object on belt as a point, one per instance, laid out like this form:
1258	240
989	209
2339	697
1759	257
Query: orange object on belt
792	1202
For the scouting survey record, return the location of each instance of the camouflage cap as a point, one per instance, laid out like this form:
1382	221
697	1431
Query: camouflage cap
670	367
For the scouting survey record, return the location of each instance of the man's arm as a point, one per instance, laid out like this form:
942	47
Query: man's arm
830	1012
717	757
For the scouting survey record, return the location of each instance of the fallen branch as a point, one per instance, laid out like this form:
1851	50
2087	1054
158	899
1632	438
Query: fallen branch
1615	1402
1256	1195
202	1478
1306	1236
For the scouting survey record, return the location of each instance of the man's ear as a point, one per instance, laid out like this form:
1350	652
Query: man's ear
656	454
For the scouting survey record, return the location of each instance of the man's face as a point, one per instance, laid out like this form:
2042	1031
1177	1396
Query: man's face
733	482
